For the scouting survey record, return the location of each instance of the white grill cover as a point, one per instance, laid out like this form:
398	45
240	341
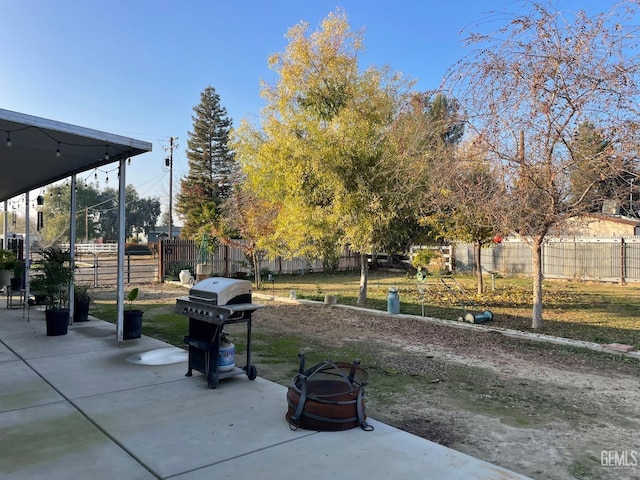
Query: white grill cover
219	290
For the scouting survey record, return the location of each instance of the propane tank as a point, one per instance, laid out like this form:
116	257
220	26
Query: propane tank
393	301
227	356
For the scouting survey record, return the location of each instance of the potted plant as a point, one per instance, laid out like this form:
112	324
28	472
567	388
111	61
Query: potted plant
8	261
53	275
132	324
16	280
81	302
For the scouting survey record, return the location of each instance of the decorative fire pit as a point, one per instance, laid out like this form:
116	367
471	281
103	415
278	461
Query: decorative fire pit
328	397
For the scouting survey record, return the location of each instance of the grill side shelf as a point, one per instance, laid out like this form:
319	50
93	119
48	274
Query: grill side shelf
216	314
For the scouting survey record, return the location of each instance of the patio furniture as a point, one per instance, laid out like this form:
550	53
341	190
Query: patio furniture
16	298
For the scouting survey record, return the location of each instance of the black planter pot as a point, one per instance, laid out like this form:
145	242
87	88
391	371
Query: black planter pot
16	284
132	324
81	310
39	299
57	322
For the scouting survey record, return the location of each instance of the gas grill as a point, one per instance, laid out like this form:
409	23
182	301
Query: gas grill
213	303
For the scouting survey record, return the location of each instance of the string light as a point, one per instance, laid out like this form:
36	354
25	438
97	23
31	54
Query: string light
58	152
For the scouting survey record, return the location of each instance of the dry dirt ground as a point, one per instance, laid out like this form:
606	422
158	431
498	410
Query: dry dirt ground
541	410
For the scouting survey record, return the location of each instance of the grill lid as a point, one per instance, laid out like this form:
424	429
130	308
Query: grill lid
221	291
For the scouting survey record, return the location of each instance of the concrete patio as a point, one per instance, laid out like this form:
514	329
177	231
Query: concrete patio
73	407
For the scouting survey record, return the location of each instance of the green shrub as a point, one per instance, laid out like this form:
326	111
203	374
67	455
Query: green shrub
423	258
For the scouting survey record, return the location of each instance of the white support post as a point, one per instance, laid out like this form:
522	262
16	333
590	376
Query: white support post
6	224
72	245
27	248
121	239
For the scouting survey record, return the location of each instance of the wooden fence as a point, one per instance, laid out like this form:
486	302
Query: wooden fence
102	270
229	260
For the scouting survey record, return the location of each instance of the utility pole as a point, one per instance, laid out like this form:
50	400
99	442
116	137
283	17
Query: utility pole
169	163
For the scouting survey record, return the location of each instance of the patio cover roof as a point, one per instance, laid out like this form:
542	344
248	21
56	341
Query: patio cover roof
31	160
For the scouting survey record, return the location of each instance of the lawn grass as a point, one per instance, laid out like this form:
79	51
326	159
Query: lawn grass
588	311
158	321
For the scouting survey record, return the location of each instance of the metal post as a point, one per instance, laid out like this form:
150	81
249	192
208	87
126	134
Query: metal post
27	252
121	238
72	243
622	262
6	225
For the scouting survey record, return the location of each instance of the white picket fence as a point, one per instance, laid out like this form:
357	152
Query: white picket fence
95	248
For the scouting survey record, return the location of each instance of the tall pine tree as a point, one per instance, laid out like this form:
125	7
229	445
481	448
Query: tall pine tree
211	167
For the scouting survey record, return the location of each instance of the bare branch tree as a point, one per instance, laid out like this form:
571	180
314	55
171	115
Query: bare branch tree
528	86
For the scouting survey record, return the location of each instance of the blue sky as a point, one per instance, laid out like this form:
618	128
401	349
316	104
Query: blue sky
137	67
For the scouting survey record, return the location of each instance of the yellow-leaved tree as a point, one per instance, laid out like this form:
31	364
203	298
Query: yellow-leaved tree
317	154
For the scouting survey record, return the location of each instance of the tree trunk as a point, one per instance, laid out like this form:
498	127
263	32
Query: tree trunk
364	277
256	269
536	316
478	251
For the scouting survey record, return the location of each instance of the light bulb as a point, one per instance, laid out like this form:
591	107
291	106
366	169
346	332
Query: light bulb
106	153
8	139
58	150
